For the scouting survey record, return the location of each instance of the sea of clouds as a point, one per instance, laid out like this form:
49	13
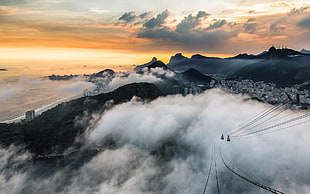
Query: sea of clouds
165	146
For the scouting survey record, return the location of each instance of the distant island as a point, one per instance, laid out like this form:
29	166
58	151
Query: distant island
3	69
61	77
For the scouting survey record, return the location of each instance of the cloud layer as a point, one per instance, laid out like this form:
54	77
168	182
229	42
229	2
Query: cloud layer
165	146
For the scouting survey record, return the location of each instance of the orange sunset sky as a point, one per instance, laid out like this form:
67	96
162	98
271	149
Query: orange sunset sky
123	32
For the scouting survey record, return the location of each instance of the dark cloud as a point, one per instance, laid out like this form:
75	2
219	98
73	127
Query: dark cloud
251	19
232	24
161	33
250	27
187	33
198	38
127	17
202	14
274	27
251	11
296	11
278	25
217	24
144	15
157	21
190	22
305	22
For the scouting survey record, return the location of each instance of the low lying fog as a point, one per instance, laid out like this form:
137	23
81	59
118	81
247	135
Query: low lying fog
165	146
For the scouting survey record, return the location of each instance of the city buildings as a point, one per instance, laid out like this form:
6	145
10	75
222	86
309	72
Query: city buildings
267	92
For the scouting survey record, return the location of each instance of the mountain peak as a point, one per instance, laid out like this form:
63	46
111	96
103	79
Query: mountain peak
103	73
272	53
177	58
152	64
198	56
153	59
305	52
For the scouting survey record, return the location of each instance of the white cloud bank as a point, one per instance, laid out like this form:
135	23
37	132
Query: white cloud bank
165	147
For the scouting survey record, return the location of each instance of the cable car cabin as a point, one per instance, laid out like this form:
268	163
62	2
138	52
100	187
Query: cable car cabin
228	139
222	137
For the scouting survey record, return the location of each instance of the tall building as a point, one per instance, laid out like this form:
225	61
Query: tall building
185	91
297	98
176	89
30	115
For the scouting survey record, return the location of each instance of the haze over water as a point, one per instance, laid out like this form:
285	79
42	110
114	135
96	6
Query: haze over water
25	87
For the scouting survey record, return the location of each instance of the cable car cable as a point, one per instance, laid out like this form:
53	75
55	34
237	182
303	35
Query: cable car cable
259	117
206	184
276	125
217	179
251	181
265	121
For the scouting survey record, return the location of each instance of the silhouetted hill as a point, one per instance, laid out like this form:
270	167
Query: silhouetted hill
283	72
56	129
272	53
305	52
192	75
104	73
207	65
177	59
282	66
152	64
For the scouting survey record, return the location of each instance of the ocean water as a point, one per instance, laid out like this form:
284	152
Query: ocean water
18	97
24	88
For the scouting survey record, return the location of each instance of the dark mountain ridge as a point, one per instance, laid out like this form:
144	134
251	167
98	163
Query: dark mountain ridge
285	67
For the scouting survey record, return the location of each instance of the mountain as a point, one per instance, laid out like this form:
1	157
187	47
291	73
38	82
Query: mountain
284	67
192	75
305	52
152	64
207	65
272	53
283	72
177	59
56	129
104	73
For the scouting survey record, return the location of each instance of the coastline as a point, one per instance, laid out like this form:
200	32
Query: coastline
44	108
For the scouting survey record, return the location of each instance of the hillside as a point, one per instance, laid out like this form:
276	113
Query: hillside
282	72
192	75
56	129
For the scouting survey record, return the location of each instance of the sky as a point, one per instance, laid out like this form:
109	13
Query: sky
119	32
